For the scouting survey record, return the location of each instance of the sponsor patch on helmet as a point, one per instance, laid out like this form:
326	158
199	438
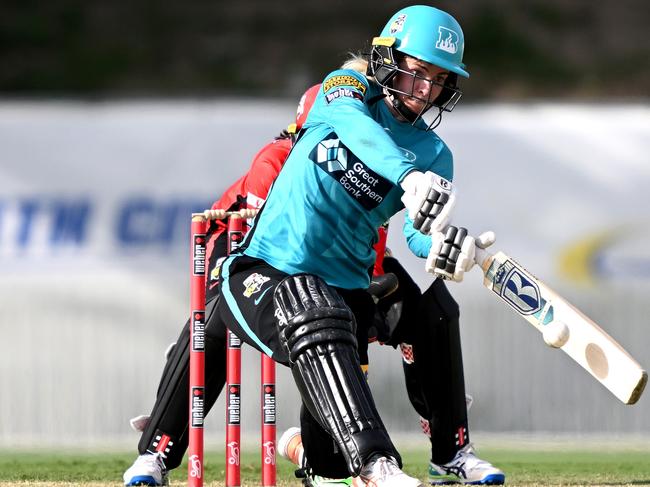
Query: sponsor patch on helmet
398	24
447	40
342	92
343	80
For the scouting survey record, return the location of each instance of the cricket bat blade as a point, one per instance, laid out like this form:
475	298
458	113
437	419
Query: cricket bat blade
588	344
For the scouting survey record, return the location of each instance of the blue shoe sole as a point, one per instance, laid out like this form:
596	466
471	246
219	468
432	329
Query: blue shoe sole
496	479
143	480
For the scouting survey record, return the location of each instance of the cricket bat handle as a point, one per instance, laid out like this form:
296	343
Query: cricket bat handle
483	258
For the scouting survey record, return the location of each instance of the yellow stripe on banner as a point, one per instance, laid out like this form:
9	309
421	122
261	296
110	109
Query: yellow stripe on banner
576	261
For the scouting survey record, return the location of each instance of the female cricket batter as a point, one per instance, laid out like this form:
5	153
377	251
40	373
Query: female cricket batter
475	470
435	384
296	289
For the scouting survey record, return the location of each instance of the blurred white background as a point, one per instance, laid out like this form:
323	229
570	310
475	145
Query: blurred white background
93	258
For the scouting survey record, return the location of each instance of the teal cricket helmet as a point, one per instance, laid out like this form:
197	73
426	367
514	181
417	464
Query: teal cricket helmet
428	34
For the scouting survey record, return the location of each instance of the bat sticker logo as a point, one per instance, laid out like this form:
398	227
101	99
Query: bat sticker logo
521	293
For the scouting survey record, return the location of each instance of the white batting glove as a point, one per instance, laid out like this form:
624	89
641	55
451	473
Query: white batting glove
483	241
452	253
429	200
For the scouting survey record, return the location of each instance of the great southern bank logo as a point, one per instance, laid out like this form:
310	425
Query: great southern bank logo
331	153
447	40
360	182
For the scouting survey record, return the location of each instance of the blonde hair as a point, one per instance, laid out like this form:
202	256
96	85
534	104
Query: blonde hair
357	62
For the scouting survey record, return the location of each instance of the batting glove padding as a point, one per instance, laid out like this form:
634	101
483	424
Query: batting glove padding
429	200
452	253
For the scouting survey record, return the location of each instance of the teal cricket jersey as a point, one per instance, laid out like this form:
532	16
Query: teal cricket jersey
341	182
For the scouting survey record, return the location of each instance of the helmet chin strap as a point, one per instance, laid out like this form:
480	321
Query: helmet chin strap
436	121
401	108
408	114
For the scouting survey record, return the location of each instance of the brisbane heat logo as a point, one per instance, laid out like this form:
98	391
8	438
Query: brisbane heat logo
447	40
253	284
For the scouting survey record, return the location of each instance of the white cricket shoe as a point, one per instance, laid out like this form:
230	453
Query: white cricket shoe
382	471
148	469
466	468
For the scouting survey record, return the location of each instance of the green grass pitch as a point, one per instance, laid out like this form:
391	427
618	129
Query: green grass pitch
524	467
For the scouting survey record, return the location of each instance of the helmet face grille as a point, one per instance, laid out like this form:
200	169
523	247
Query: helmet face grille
384	67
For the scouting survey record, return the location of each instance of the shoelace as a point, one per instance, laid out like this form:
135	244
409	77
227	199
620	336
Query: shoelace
384	467
470	457
153	459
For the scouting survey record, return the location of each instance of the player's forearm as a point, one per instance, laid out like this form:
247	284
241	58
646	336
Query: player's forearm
417	242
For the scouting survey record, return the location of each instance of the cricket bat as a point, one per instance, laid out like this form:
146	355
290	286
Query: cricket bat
587	343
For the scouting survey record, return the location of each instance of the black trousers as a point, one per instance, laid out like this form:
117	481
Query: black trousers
434	381
253	282
246	304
